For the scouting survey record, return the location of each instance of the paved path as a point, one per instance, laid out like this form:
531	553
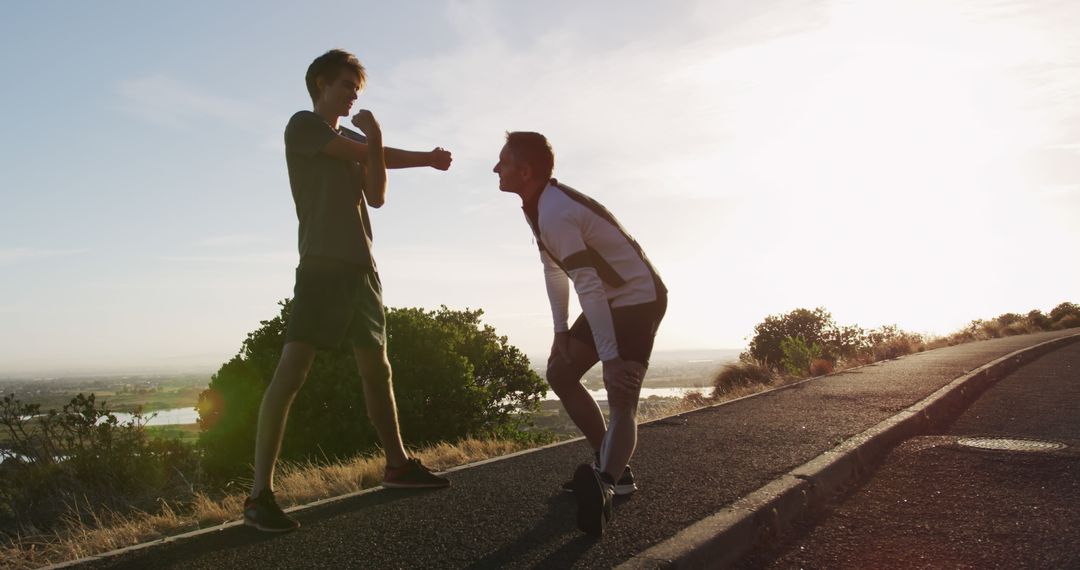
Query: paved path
937	504
511	513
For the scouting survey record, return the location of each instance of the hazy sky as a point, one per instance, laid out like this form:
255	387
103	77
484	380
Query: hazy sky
908	162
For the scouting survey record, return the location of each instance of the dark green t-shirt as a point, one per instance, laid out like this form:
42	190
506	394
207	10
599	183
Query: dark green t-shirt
328	193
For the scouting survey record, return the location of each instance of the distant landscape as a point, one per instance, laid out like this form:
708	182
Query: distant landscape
158	392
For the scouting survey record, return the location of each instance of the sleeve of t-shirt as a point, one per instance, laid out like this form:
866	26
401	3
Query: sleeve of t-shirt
307	134
558	290
351	134
563	236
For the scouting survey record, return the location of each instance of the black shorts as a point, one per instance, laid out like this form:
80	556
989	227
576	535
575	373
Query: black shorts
635	329
334	301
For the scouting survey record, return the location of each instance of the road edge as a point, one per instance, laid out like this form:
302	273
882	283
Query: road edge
721	539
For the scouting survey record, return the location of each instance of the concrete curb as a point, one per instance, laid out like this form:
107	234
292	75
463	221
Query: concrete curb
721	539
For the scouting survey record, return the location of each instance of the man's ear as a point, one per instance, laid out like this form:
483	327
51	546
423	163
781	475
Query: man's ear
320	84
526	171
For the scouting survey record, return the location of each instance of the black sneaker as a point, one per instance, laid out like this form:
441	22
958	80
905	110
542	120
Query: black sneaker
413	475
594	498
263	513
623	487
626	485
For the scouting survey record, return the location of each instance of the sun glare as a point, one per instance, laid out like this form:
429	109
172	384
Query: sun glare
888	136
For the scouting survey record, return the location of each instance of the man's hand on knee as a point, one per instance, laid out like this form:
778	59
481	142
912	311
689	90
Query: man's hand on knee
560	347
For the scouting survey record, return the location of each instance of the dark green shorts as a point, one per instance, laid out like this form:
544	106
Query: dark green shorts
334	301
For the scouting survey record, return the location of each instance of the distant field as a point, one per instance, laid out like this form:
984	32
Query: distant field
188	433
123	393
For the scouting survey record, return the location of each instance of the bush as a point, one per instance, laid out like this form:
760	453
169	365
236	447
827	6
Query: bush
1063	310
822	337
453	377
83	451
891	341
988	329
798	354
1007	319
1068	322
741	374
814	327
820	367
1038	320
1018	328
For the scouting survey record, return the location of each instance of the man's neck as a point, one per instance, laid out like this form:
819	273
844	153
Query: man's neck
530	193
331	118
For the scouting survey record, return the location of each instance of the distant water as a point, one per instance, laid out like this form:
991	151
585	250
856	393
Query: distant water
601	394
175	416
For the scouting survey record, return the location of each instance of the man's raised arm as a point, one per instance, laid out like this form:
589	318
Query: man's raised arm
348	149
439	158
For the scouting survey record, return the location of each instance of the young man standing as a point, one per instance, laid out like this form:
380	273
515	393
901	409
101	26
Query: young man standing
335	173
622	300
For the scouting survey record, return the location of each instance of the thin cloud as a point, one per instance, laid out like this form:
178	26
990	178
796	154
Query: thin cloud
167	101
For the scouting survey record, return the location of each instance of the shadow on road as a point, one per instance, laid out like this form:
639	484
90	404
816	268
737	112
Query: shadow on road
552	528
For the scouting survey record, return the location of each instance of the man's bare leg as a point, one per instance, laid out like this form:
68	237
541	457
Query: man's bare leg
375	373
289	376
565	379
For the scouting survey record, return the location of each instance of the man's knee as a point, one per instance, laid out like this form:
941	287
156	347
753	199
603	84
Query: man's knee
293	366
372	364
378	372
623	399
561	376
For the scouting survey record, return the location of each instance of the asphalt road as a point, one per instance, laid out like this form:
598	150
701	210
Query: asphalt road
511	513
935	503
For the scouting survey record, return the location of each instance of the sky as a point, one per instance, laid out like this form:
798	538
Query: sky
901	162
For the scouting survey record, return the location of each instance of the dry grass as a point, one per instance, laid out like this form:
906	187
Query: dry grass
737	376
1067	322
898	346
88	530
654	409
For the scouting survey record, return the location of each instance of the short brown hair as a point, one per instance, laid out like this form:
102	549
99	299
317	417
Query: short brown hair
329	66
532	149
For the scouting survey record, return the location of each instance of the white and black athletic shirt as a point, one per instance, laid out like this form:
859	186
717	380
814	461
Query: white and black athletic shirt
579	238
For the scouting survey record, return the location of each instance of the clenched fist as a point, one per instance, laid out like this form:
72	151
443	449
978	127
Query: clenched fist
441	158
365	121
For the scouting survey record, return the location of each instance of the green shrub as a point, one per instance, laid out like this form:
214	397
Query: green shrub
798	354
453	377
814	327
